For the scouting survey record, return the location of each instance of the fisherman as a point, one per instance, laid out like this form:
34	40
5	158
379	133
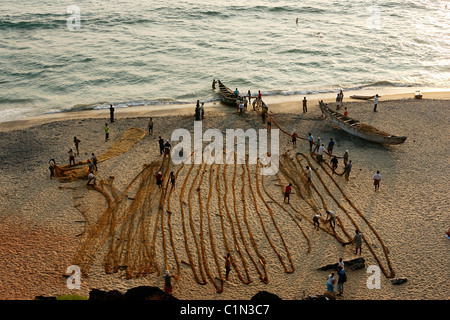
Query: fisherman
294	136
330	146
376	180
91	177
357	240
334	164
227	265
375	102
167	147
311	142
287	192
159	179
94	162
161	145
77	143
111	113
172	179
308	174
305	109
106	132
345	158
316	220
345	112
236	92
71	157
317	145
52	167
150	126
214	84
320	153
241	109
167	282
348	168
249	95
202	109
91	166
331	217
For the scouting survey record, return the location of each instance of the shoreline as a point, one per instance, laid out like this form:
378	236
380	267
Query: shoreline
284	103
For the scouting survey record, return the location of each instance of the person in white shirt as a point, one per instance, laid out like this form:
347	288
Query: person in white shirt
375	103
241	109
331	216
320	153
376	180
308	174
330	282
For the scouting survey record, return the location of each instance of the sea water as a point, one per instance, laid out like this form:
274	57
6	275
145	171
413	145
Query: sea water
58	56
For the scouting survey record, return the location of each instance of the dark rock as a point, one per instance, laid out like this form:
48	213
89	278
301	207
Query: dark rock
96	294
398	281
265	296
147	293
354	264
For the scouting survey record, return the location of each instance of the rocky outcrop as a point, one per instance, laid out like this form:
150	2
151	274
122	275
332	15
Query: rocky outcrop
398	281
354	264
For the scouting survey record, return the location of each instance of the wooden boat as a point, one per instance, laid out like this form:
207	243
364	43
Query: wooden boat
362	97
359	129
226	95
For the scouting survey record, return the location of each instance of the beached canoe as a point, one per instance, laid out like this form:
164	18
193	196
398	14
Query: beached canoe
226	95
359	129
362	97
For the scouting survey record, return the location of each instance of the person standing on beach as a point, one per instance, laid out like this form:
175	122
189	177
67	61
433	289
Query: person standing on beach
317	145
259	95
330	146
377	180
106	132
345	158
94	162
172	179
320	153
159	179
227	265
150	126
345	112
236	93
287	192
305	109
77	143
249	95
202	109
375	102
71	157
241	108
330	282
167	147
308	174
334	164
167	282
91	166
111	113
311	142
161	145
357	239
341	263
348	168
342	277
52	167
294	136
197	112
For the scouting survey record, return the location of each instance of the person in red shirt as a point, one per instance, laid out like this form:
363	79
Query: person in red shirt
287	192
259	95
159	179
346	112
294	136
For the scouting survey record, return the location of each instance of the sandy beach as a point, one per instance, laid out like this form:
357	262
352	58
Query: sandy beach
126	232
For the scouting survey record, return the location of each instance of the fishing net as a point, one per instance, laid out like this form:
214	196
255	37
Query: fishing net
69	173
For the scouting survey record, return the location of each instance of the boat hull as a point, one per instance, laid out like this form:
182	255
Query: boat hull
226	95
353	127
